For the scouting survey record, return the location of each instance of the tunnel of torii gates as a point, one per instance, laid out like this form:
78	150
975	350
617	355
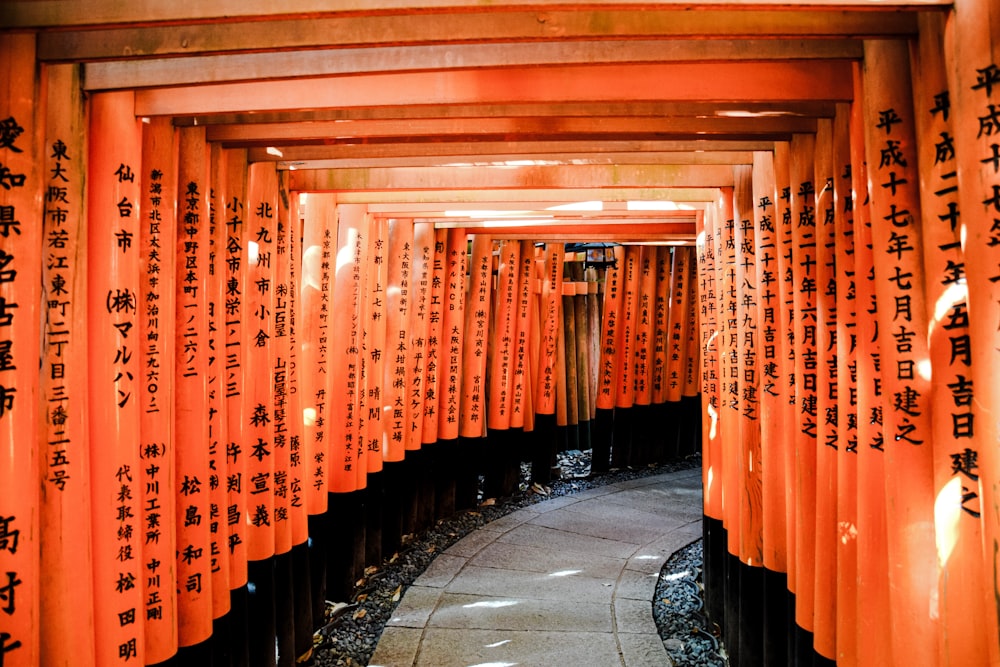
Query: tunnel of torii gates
230	381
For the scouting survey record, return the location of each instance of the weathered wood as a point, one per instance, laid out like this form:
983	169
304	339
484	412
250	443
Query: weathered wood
732	82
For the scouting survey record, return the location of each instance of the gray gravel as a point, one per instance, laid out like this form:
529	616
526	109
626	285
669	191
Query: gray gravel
353	629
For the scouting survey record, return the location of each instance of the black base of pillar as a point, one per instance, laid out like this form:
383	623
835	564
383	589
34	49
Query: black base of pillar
220	641
775	618
284	609
345	544
731	631
470	452
642	418
423	471
621	451
562	439
752	610
261	629
714	548
373	509
585	439
804	653
603	428
672	418
689	436
239	651
443	467
501	464
572	437
302	595
543	453
317	548
409	499
198	654
392	507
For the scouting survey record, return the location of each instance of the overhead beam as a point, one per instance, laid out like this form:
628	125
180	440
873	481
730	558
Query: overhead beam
745	109
528	196
604	231
145	73
493	178
550	17
284	134
731	82
468	151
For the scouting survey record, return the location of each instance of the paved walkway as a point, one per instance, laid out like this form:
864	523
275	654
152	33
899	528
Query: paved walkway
568	581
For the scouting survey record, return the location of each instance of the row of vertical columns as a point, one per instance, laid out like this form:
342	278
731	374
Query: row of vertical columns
861	310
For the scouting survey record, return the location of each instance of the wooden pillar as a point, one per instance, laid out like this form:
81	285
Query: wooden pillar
963	617
972	57
873	586
828	439
803	264
897	247
607	382
846	379
66	630
113	281
545	384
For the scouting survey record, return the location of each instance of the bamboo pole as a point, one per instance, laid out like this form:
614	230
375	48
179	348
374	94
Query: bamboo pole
974	51
113	288
873	586
66	631
895	207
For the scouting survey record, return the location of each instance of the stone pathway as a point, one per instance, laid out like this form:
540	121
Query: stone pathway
568	581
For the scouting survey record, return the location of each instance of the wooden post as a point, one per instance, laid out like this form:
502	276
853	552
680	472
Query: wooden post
583	357
803	207
237	317
66	630
454	260
958	527
423	266
194	592
973	56
661	345
828	439
786	331
570	399
113	282
847	404
625	358
545	385
472	423
317	275
897	247
643	357
607	382
873	586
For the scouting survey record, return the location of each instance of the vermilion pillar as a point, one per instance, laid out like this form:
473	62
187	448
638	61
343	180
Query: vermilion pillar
66	630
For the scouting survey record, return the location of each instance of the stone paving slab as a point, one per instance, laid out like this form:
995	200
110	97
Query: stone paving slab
567	581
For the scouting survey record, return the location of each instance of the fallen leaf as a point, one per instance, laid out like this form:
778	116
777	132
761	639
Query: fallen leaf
488	502
360	613
361	597
396	594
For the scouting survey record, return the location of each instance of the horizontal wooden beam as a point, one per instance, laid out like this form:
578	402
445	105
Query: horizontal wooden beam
175	71
438	130
730	82
526	197
621	231
473	151
494	178
492	160
746	109
673	209
368	22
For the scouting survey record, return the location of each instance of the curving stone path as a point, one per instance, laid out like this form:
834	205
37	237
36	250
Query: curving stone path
568	581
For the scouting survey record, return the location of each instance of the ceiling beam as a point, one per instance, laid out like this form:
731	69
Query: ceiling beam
136	73
585	109
493	178
392	21
438	130
468	151
528	197
732	81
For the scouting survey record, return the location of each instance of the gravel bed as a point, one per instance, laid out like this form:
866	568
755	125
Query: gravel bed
678	609
353	629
